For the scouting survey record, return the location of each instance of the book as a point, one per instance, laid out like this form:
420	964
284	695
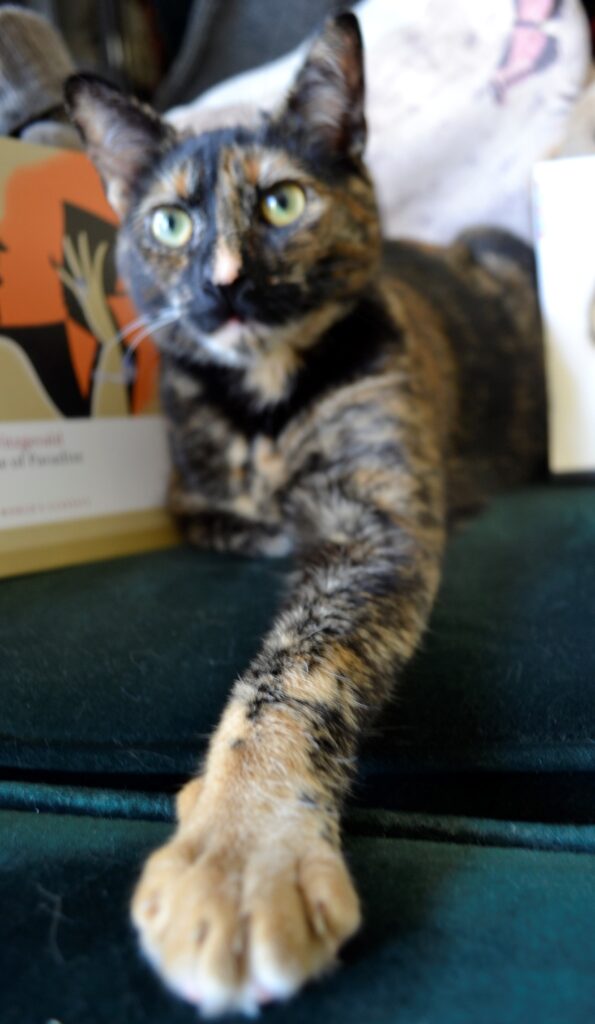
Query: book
83	446
564	219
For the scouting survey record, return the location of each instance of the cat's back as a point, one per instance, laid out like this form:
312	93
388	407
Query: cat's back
474	305
481	288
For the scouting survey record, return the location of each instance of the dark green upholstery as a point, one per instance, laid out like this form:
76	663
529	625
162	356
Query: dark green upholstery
472	829
456	933
124	666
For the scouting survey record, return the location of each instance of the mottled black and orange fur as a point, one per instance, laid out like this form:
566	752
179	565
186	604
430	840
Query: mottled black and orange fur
368	397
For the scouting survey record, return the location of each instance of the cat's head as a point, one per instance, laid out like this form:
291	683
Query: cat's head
248	235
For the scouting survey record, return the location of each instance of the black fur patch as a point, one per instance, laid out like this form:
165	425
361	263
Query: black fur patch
347	350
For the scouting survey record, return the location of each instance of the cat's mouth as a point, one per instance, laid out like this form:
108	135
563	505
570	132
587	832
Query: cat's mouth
220	307
238	324
211	321
244	303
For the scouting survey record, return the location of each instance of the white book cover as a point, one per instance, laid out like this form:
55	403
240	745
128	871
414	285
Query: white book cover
564	218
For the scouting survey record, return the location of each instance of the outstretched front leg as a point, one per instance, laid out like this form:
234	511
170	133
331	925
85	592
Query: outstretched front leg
252	896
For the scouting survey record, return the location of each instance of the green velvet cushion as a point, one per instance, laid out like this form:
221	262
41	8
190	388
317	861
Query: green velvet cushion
476	924
123	667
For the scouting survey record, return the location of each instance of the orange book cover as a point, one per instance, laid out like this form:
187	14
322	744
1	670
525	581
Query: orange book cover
83	452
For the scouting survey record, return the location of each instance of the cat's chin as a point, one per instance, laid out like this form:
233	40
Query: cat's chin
237	343
232	344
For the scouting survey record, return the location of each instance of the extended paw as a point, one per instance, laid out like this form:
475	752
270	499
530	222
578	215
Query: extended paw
232	917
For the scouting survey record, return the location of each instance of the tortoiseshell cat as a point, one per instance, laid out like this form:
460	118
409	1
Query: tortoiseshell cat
325	399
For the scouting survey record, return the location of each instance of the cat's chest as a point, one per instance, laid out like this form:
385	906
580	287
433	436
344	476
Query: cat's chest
217	467
225	461
258	476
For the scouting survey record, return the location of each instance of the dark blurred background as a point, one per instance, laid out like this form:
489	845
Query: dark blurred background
169	51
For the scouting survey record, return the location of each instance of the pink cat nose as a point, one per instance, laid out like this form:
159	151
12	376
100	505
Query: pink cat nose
227	264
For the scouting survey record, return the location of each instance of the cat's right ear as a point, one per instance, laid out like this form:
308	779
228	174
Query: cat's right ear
121	135
325	107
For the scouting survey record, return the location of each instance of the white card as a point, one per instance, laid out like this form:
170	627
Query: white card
564	217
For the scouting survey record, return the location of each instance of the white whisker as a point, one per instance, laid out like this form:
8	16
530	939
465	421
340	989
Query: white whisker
144	329
156	325
129	328
139	323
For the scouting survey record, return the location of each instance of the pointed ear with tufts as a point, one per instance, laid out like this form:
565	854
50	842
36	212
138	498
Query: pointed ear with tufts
326	103
121	135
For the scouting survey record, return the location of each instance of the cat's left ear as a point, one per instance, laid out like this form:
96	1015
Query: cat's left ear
121	135
326	103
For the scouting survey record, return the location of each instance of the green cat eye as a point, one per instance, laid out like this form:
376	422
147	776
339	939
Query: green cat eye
171	226
283	204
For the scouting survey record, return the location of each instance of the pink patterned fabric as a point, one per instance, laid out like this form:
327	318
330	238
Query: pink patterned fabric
530	47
